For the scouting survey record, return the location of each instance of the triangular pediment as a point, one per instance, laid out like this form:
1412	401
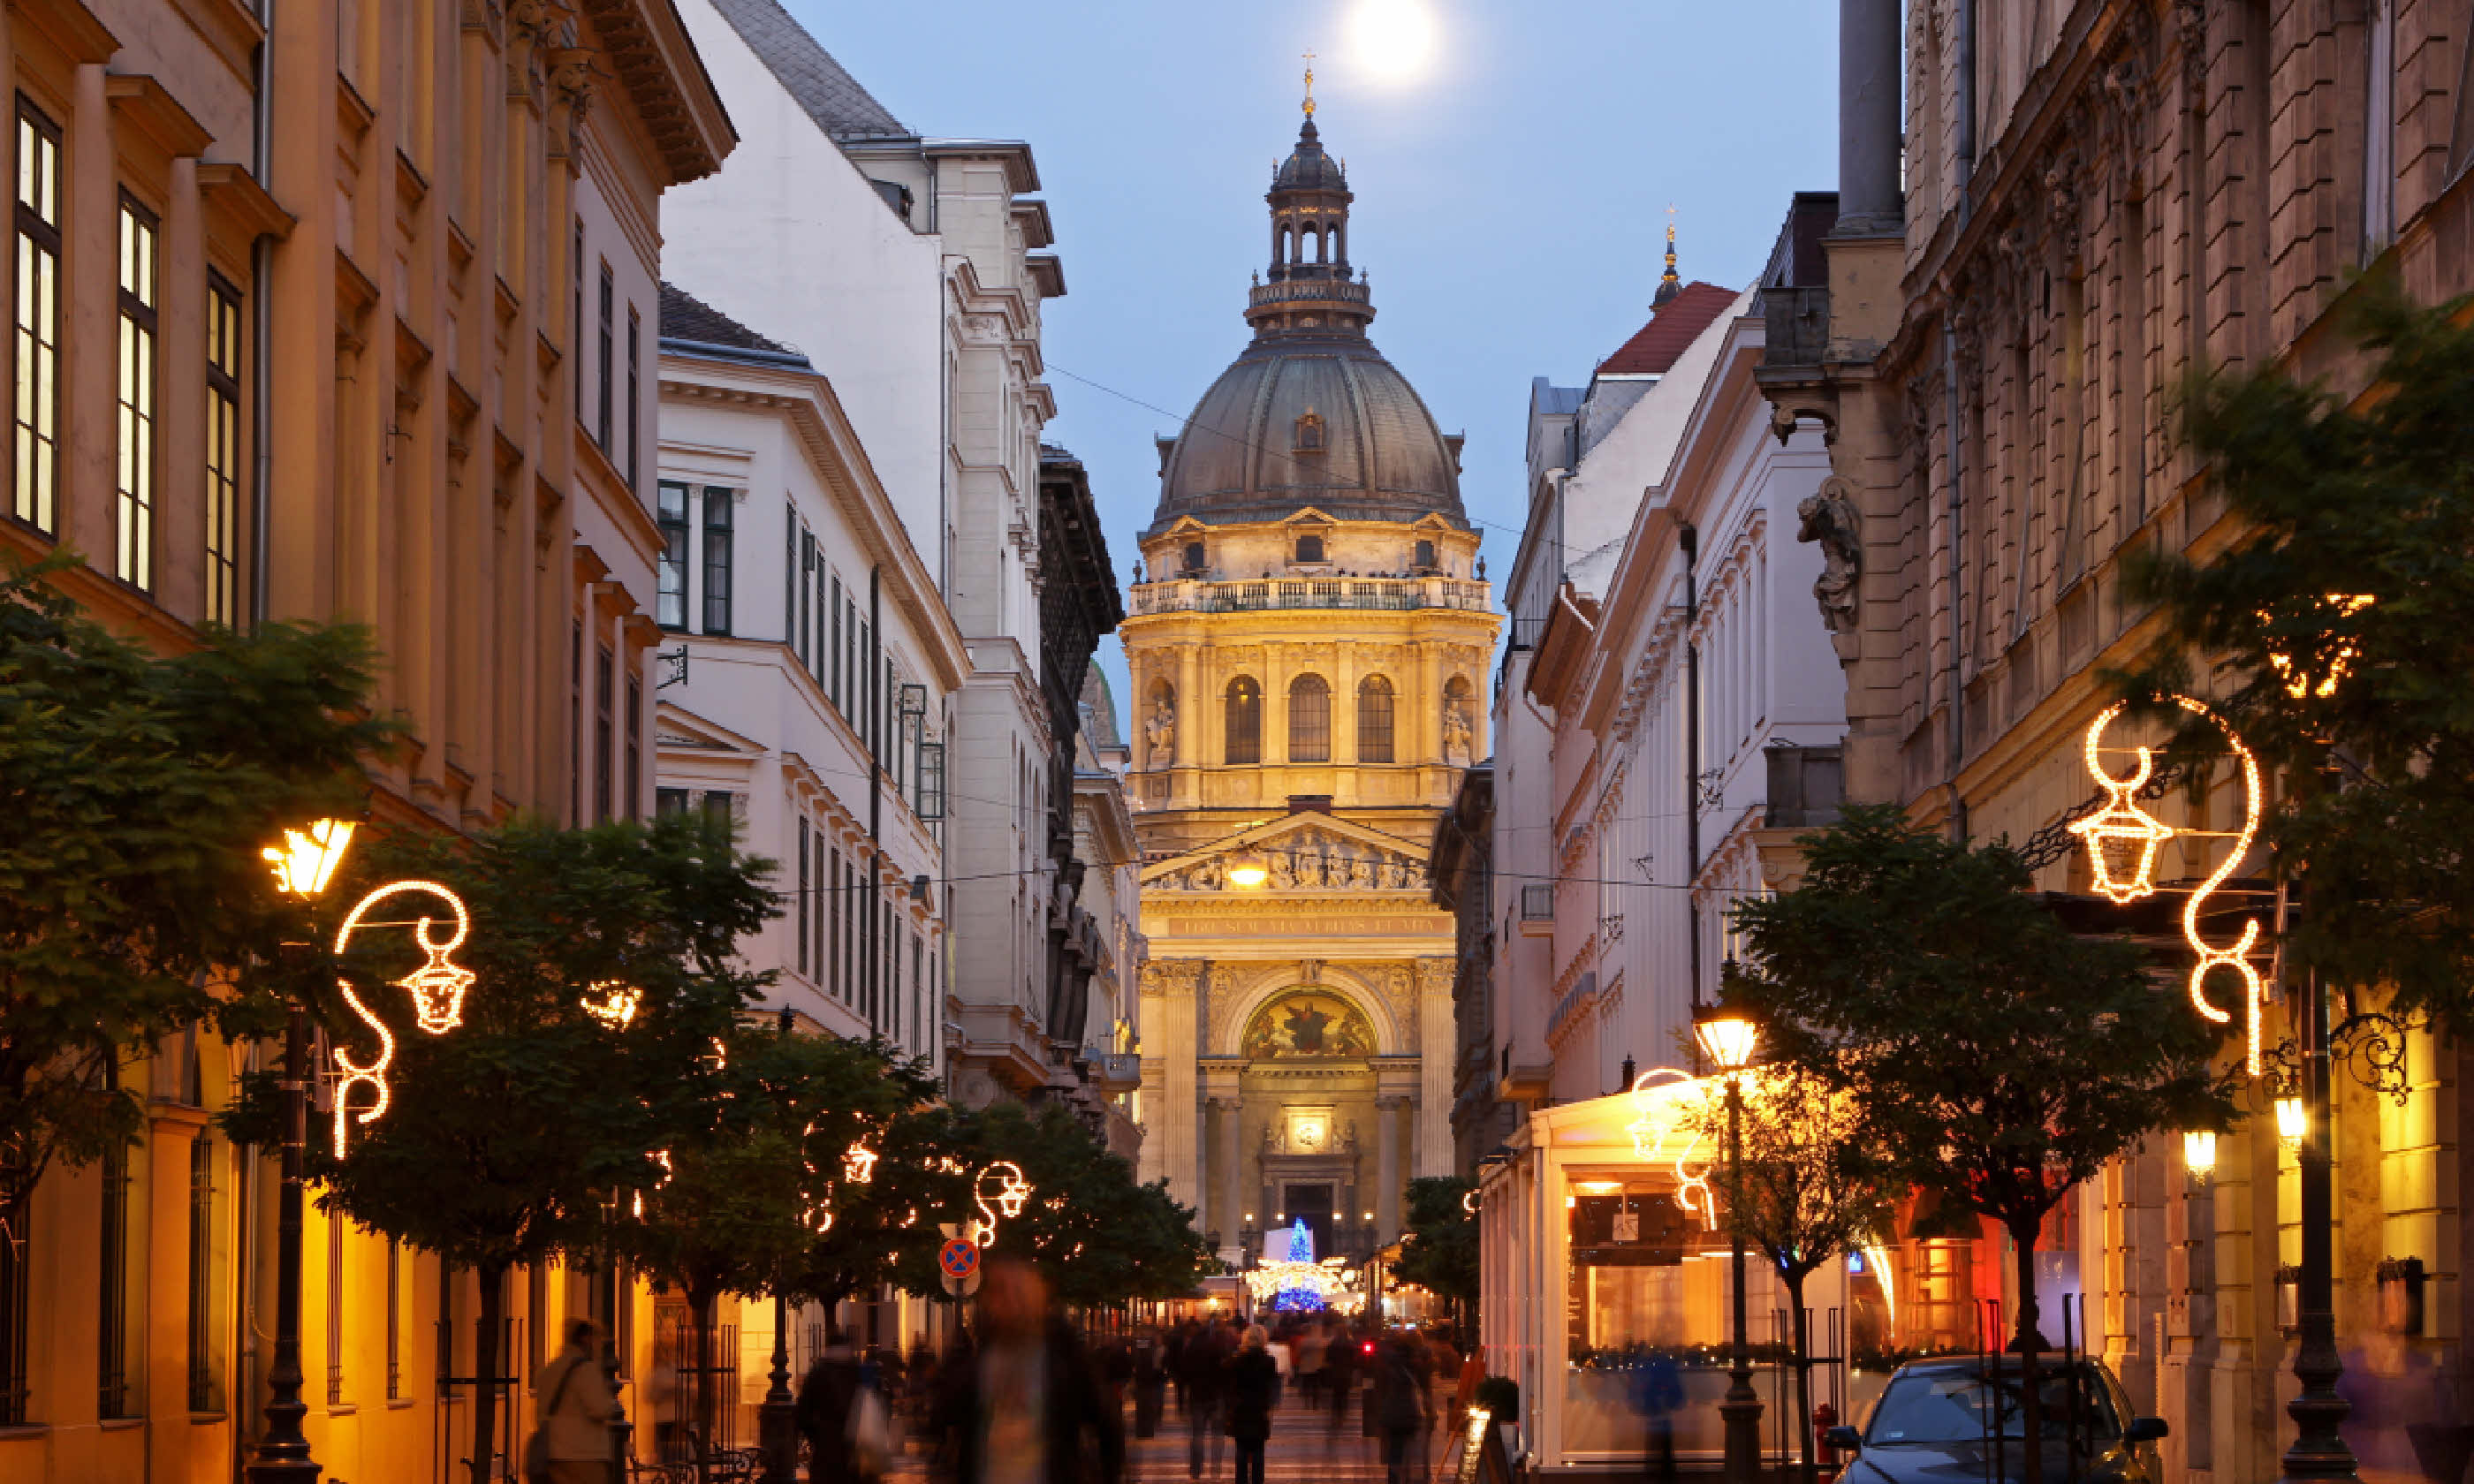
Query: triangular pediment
1306	852
1432	521
674	725
1309	516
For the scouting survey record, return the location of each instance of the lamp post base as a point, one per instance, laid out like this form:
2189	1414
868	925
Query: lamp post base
1741	1413
777	1433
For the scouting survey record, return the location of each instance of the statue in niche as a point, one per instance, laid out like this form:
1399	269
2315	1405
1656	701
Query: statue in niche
1161	730
1829	517
1458	734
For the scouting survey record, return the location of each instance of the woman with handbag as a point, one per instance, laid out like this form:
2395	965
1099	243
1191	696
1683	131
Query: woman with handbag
570	1441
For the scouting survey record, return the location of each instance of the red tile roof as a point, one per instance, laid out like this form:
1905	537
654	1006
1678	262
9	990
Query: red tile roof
1654	350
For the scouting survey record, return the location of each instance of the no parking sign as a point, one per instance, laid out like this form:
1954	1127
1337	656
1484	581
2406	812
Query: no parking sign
958	1262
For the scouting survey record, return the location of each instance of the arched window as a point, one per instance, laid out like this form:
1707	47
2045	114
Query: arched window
1309	548
1245	721
1309	720
1194	556
1374	719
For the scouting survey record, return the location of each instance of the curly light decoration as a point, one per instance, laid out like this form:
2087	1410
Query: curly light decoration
859	1164
617	1005
437	989
2339	665
1011	1193
2121	818
1663	1097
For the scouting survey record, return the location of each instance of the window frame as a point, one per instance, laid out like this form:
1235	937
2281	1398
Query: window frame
607	345
720	524
1378	712
673	563
1309	718
222	473
1242	726
137	323
38	242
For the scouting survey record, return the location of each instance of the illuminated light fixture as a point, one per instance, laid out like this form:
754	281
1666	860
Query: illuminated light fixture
616	1007
437	989
1571	1200
306	859
2199	1151
2293	1123
1007	1196
1878	1260
2340	666
1600	1187
1469	1200
859	1164
1248	871
2123	820
1673	1106
1730	1036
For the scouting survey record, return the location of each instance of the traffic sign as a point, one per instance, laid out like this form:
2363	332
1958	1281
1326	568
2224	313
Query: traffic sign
957	1262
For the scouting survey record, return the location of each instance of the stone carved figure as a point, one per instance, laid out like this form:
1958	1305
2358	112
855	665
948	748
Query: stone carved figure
1830	518
1458	733
1361	872
1161	732
1284	871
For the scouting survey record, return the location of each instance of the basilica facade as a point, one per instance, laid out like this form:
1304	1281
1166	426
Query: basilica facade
1306	639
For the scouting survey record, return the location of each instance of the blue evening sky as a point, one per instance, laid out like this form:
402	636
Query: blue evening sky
1511	192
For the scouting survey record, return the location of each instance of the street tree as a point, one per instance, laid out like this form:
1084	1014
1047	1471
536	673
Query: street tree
1439	1245
507	1138
1100	1236
133	903
1987	1053
2337	631
888	1205
1806	1190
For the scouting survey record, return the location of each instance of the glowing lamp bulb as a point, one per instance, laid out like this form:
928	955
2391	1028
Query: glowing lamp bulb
1729	1036
2199	1151
2293	1123
1249	873
306	859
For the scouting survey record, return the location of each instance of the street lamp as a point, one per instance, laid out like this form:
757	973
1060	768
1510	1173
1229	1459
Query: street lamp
303	864
1730	1036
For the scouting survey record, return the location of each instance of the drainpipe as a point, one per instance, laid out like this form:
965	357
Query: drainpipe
875	693
1955	451
1690	539
262	310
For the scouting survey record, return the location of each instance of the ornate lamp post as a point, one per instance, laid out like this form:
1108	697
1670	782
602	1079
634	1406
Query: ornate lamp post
2318	1451
1729	1038
303	864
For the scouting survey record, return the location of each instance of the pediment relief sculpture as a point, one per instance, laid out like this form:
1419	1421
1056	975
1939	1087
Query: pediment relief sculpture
1308	860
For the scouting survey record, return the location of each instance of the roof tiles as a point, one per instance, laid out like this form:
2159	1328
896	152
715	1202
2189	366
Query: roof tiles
1674	326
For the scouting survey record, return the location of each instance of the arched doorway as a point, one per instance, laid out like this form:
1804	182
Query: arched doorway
1309	1080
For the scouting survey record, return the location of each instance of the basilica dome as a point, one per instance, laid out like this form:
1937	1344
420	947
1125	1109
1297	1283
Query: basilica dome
1310	414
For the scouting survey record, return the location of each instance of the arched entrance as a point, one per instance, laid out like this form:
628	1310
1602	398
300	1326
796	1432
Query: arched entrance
1309	1081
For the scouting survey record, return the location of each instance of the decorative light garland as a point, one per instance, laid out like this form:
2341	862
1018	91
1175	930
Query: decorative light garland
2121	818
617	1005
859	1164
437	989
1011	1191
2340	666
1665	1111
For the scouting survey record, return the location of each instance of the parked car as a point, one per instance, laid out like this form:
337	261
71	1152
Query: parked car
1961	1417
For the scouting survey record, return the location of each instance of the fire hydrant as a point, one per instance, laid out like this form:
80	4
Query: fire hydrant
1824	1418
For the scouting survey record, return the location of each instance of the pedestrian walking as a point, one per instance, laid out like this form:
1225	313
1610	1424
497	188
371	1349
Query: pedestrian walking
1401	1409
1151	1386
1343	1360
1200	1366
1028	1407
1311	1343
1251	1390
828	1397
570	1442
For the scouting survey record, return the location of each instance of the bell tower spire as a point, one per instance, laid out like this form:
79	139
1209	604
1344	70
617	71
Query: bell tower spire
1309	289
1668	283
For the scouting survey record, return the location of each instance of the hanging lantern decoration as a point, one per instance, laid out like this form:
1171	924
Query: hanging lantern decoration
437	988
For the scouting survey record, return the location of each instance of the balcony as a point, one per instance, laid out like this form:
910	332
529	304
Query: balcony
1275	594
1290	290
1795	324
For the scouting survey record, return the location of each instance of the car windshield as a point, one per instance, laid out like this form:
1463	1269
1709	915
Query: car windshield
1961	1406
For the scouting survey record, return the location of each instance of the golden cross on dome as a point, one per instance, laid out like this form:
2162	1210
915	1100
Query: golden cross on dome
1670	221
1310	57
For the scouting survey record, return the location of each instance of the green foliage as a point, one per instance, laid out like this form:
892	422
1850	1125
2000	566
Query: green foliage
1808	1186
1098	1235
1500	1397
138	791
1439	1247
2337	498
1986	1053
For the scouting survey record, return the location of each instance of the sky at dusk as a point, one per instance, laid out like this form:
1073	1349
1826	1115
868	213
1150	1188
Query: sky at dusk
1511	161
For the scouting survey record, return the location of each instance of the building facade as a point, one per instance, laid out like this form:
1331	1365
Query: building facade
332	313
1296	1017
2094	199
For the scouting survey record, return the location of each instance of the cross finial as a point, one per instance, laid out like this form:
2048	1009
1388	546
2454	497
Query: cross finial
1670	220
1310	58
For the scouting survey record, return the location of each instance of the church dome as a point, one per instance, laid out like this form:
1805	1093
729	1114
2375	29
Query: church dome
1296	422
1310	414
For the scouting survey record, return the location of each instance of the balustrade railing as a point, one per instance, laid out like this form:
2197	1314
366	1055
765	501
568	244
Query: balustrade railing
1211	596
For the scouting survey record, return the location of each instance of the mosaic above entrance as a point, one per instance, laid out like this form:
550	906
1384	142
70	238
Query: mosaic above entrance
1308	1024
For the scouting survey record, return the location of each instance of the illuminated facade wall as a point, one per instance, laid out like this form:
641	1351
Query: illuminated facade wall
376	388
2151	191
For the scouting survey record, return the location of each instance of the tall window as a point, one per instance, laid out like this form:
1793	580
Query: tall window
1309	720
1309	548
805	886
112	1313
575	722
634	729
577	279
334	1311
604	702
635	399
670	515
223	459
1424	556
807	567
716	561
1245	721
1374	719
395	1320
37	474
204	1393
608	359
1194	556
133	509
834	924
835	690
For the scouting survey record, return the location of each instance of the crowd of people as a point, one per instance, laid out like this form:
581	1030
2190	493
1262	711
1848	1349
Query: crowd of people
1024	1400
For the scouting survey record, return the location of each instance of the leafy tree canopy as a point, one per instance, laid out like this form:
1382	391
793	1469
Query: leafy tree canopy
2338	623
140	789
1098	1235
1439	1250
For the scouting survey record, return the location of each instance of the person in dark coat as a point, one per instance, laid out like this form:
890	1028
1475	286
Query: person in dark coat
1253	1388
1029	1407
1151	1386
1199	1364
826	1395
1401	1409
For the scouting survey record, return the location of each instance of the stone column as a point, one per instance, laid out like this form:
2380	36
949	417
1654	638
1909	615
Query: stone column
1869	78
1343	705
1233	1176
1435	1048
1387	1196
1276	704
